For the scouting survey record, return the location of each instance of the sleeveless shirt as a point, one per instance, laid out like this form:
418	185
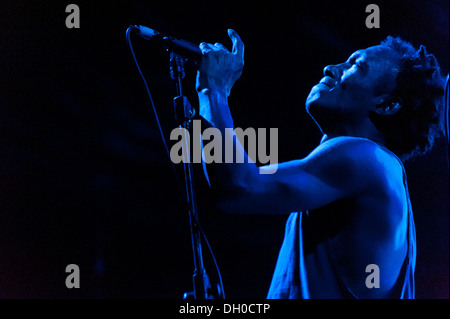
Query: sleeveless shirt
290	278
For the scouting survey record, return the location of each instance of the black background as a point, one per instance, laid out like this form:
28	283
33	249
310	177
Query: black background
83	174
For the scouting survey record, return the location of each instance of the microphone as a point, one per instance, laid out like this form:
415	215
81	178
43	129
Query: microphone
181	47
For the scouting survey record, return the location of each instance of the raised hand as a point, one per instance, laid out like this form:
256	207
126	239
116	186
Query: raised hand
220	68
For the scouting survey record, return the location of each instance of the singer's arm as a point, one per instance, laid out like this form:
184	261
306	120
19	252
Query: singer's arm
341	167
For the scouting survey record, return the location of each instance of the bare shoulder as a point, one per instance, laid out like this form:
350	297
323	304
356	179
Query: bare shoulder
357	149
351	147
359	160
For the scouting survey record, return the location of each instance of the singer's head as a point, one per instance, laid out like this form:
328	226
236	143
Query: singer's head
391	93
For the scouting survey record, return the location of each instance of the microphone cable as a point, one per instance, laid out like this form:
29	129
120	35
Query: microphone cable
180	187
446	115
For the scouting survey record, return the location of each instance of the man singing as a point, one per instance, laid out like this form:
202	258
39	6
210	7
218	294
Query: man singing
348	202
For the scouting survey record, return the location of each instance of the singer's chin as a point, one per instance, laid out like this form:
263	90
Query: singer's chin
312	101
315	106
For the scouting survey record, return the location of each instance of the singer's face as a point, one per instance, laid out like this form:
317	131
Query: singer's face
351	89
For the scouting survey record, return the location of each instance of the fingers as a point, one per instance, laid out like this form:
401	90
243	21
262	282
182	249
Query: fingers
221	46
238	45
208	47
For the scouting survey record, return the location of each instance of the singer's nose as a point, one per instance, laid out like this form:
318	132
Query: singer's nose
331	71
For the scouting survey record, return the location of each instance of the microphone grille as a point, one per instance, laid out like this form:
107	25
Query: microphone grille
147	33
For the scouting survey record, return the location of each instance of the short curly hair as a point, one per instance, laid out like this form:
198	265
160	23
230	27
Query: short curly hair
412	130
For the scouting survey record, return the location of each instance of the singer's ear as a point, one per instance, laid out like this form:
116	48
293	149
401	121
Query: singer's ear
389	106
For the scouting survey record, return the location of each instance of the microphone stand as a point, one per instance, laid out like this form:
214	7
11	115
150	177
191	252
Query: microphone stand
183	115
